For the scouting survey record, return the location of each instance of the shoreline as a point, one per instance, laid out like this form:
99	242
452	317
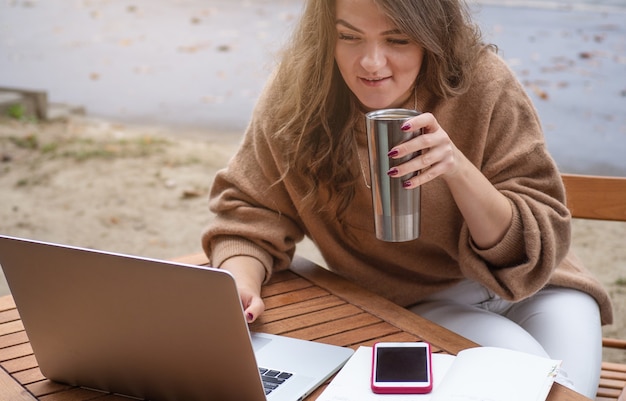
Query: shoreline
589	6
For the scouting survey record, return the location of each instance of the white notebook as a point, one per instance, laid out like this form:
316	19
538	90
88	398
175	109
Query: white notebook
483	373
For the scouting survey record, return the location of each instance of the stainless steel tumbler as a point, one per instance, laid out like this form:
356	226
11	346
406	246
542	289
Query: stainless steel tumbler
396	209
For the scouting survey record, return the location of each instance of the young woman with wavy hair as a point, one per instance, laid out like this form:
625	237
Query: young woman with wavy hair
311	102
492	261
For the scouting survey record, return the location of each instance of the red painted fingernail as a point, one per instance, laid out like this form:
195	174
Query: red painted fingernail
393	153
392	172
405	127
250	316
407	184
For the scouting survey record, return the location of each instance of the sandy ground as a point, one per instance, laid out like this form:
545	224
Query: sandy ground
143	191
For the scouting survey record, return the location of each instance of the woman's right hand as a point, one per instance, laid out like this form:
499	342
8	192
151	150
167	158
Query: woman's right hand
249	274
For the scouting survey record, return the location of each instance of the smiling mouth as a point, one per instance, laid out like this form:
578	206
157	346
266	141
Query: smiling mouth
373	79
374	82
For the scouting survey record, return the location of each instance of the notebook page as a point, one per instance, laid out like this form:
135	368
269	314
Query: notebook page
496	374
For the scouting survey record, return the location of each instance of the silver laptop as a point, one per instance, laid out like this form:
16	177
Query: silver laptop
152	329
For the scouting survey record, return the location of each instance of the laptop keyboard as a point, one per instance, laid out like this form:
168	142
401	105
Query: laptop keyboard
273	378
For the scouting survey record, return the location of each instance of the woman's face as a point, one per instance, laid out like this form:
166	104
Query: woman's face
378	62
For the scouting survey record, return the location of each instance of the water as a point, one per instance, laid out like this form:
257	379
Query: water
203	63
573	65
192	63
590	5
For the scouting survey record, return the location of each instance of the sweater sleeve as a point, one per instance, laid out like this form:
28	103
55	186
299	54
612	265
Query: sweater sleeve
516	161
254	214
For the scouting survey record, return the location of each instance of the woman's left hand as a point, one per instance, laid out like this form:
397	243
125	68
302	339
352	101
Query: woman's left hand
439	156
487	212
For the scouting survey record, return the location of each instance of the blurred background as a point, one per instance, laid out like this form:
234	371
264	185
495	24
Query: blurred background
202	63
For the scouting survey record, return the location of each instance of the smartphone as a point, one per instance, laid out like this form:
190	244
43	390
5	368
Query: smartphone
401	368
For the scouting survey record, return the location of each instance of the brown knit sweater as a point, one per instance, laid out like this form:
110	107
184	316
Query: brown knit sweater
495	125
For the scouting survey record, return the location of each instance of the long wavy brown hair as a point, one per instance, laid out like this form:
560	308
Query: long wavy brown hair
312	109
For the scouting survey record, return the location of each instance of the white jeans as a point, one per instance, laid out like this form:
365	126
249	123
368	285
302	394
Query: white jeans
559	323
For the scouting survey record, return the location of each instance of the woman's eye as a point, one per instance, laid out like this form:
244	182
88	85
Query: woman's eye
398	41
345	36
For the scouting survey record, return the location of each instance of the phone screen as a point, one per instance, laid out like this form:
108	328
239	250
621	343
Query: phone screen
402	364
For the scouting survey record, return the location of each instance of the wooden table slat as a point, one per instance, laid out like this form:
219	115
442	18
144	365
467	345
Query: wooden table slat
46	387
9	340
286	286
20	363
73	394
10	390
15	351
280	300
360	335
7	303
310	319
9	315
300	308
11	327
29	376
326	329
400	336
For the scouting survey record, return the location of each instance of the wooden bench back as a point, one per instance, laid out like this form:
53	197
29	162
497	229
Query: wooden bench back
601	198
596	197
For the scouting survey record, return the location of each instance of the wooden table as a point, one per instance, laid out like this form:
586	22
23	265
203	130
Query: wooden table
306	302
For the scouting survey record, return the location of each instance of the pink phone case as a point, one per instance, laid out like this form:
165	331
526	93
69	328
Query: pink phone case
403	390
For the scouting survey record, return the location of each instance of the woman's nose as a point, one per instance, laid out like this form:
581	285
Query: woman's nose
373	59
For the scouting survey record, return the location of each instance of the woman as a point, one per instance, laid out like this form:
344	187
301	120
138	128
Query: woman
491	262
